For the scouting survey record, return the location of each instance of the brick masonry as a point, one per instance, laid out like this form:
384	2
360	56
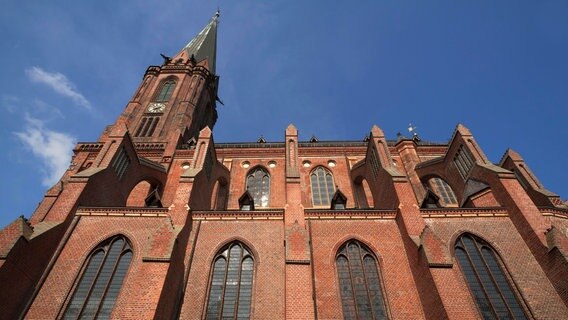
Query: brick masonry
294	244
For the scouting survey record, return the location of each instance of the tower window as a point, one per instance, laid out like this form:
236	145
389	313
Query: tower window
258	185
97	287
230	289
322	186
147	127
166	91
487	280
359	283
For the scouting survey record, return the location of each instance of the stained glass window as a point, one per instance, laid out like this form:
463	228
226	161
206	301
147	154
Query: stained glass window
98	285
166	91
258	185
230	290
359	283
487	280
322	186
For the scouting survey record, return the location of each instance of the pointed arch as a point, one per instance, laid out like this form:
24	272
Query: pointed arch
363	193
165	90
230	284
258	185
146	193
445	193
97	287
487	279
323	186
359	282
219	195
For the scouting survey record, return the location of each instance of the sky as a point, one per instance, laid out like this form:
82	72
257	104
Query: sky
334	69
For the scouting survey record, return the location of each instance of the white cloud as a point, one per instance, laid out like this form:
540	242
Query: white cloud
53	148
10	103
59	83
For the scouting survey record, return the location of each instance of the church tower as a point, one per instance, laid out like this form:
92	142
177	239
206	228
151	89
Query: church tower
177	99
133	171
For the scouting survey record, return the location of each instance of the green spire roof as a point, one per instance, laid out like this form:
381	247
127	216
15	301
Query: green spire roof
204	45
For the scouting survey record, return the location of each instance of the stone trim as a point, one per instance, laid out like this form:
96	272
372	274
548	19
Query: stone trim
464	212
354	214
554	212
122	212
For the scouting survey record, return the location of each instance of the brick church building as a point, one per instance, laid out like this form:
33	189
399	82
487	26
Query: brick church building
155	220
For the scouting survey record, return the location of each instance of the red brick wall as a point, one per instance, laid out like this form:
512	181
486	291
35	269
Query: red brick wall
265	240
384	239
138	194
142	285
515	255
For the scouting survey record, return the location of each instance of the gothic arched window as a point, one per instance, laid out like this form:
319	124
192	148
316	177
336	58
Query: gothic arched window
444	191
322	186
99	283
230	289
359	283
487	279
166	91
258	185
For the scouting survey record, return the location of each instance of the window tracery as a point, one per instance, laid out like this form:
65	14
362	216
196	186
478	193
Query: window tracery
166	91
230	289
487	279
100	281
359	283
258	185
322	186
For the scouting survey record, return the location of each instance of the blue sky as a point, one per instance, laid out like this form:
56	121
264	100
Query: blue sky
332	68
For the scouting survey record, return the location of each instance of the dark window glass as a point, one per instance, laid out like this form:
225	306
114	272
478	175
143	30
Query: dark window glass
359	283
444	191
258	185
100	282
487	280
230	291
166	91
322	186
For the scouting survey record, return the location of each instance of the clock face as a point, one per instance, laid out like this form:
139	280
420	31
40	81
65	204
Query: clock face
156	107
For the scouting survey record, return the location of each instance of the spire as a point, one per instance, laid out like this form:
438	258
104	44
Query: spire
204	45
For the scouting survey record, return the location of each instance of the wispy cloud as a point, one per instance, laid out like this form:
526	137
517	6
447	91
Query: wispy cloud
59	83
53	148
10	103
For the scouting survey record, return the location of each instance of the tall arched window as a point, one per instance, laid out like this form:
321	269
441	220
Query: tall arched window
97	287
359	283
230	289
487	279
258	185
444	191
166	91
322	186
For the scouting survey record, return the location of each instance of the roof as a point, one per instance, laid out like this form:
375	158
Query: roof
204	45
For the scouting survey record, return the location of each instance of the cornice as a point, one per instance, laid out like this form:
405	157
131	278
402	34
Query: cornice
227	215
349	214
122	212
464	212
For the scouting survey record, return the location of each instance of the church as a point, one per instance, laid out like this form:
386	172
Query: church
156	220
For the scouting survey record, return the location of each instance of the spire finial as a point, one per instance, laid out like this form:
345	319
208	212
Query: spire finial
218	12
203	46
